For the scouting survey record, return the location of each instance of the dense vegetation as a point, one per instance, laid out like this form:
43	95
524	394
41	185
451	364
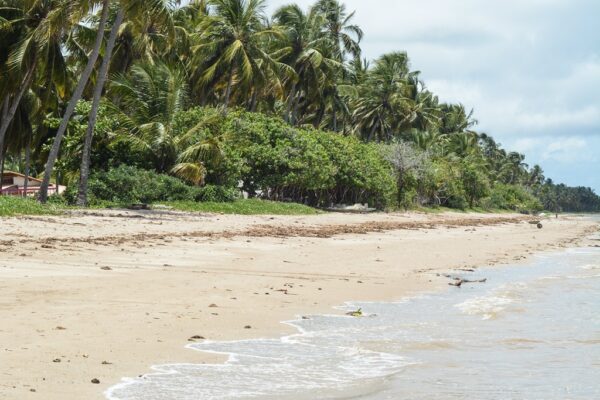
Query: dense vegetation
145	101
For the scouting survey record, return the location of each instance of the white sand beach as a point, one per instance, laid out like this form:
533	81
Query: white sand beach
104	295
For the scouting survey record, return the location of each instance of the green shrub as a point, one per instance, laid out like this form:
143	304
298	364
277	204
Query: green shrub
511	197
278	162
216	194
447	187
127	184
475	183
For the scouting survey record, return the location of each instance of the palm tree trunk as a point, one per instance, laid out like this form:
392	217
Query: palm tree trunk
85	76
4	109
9	111
334	119
290	102
1	173
228	90
320	117
334	104
27	164
3	117
296	110
89	135
372	133
254	101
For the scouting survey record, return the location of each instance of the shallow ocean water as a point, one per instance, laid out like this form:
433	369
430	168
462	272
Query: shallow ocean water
530	332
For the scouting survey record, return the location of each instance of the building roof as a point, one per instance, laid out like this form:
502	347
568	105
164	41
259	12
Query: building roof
12	173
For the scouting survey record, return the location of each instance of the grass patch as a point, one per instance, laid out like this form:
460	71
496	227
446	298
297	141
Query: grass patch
12	206
244	207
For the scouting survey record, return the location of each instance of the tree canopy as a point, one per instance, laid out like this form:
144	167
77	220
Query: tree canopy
217	92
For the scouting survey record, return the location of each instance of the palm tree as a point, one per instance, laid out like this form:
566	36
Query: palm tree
431	141
98	89
76	96
149	32
307	54
25	125
421	108
381	99
463	144
232	41
30	39
536	176
455	119
147	101
11	36
513	168
345	38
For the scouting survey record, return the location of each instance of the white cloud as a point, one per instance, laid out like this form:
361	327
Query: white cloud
585	117
566	150
525	145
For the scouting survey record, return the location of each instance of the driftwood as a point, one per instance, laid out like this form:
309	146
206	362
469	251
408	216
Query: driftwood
458	282
484	280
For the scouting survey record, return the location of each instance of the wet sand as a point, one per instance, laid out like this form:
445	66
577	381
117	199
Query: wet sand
102	295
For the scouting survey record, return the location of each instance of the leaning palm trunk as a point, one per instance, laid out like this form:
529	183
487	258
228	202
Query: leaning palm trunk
228	89
89	135
3	116
1	172
4	110
85	76
288	111
334	106
254	101
334	119
8	113
27	164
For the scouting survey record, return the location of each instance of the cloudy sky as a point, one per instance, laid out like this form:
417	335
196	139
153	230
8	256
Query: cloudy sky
529	68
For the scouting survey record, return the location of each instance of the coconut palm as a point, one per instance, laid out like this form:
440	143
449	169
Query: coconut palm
513	168
232	44
149	32
382	99
345	40
76	96
31	36
147	101
431	141
307	55
421	107
455	119
25	129
344	36
98	89
463	144
536	176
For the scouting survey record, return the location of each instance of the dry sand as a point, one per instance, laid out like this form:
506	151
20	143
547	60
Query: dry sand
106	295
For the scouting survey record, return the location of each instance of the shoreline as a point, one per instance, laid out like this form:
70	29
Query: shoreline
122	299
339	311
